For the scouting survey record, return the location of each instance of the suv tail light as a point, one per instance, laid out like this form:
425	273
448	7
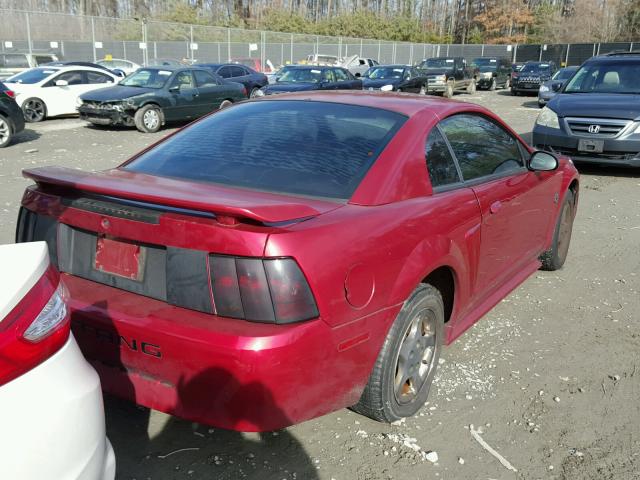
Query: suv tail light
9	93
261	290
35	329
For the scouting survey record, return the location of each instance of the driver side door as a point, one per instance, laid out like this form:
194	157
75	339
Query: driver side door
61	99
517	205
183	97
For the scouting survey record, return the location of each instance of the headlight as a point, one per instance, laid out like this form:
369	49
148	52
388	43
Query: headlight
440	78
548	118
544	88
259	93
130	102
386	88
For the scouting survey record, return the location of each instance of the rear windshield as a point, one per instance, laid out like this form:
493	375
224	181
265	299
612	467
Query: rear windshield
304	148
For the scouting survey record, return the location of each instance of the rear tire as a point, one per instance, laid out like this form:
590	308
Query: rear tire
507	84
34	110
225	104
471	88
423	90
148	119
6	132
554	258
492	85
402	375
253	92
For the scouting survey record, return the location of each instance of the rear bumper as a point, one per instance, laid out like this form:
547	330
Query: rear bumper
624	153
219	371
53	422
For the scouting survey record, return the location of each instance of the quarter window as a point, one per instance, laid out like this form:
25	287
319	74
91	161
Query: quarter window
204	78
481	147
440	163
95	77
225	72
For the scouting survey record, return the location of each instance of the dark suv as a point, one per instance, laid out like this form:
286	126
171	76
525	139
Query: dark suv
596	116
447	75
492	72
531	76
11	118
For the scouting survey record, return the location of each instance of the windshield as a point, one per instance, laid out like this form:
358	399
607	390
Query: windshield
437	63
536	68
606	77
564	74
301	75
485	64
385	72
35	75
147	78
304	148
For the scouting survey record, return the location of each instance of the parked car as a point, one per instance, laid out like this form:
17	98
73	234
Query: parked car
164	62
298	78
252	80
51	408
395	78
116	64
273	77
357	65
294	255
549	88
11	118
255	64
531	76
493	72
12	63
152	96
448	75
321	59
594	117
46	92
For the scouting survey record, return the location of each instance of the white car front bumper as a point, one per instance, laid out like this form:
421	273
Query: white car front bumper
52	422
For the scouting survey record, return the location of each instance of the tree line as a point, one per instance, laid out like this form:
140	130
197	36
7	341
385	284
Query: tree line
420	21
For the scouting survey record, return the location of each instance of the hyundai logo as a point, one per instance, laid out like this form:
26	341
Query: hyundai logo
594	128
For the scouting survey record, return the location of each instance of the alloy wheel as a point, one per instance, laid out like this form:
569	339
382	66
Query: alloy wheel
415	359
5	132
33	110
151	119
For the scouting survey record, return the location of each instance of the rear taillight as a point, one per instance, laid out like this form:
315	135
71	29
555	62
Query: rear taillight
244	91
261	290
10	93
35	329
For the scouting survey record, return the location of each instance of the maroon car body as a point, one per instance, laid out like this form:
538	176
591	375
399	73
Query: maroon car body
361	257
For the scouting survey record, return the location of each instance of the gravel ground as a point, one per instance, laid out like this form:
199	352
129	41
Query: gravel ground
550	378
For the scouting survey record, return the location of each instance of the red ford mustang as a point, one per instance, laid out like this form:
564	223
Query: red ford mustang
298	254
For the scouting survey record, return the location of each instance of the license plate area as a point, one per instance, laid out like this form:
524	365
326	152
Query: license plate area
120	258
588	145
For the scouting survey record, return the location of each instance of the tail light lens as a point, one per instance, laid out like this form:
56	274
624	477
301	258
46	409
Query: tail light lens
261	290
10	93
35	329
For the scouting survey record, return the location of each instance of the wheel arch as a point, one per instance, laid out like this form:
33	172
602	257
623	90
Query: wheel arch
443	279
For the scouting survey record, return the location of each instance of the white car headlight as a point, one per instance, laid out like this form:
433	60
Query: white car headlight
548	118
544	88
440	78
386	88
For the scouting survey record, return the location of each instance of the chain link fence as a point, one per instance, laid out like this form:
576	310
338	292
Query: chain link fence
83	38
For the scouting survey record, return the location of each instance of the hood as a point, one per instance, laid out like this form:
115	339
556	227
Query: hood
596	105
241	203
367	83
290	87
436	71
115	93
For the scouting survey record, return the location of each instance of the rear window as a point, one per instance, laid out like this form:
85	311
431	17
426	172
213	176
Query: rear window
304	148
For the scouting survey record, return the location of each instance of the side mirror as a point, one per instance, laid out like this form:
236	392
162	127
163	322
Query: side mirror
556	86
61	83
542	162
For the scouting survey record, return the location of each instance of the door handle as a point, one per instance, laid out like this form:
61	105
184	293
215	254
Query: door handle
495	207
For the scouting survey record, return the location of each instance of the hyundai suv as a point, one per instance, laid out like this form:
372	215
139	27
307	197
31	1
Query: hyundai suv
596	116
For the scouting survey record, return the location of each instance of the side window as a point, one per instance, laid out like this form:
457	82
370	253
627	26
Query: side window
95	77
327	75
225	72
204	78
237	72
481	147
182	80
341	75
440	163
40	59
74	77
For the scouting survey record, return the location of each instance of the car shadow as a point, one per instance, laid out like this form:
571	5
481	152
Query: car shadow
26	135
607	170
531	104
122	128
164	447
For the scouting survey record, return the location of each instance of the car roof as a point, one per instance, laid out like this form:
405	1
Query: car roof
66	68
315	67
406	104
173	68
617	57
393	65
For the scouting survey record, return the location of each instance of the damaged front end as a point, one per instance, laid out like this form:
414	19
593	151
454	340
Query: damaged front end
108	113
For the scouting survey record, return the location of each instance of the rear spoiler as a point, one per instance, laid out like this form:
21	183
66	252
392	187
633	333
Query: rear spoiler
266	208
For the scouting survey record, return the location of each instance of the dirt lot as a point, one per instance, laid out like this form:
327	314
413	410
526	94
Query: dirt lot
550	378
